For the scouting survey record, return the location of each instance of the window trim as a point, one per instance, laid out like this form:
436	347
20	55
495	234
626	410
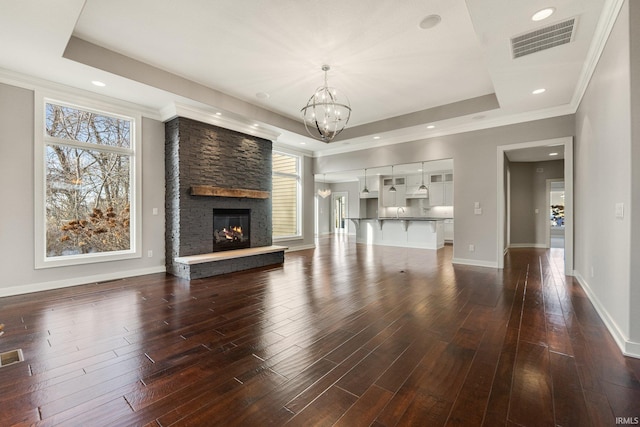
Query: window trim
298	176
41	260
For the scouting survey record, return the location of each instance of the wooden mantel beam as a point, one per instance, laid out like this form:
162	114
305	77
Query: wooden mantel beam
211	191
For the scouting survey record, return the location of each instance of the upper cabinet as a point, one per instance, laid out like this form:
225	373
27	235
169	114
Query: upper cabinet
413	187
441	188
394	198
373	185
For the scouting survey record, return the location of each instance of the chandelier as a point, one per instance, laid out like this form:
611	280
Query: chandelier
326	191
327	112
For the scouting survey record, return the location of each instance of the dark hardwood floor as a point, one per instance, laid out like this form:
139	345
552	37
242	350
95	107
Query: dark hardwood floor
342	335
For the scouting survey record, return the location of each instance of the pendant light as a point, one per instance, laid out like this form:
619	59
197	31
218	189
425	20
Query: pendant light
392	189
365	190
423	187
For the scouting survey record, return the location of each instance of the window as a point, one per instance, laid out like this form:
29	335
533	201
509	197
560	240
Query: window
285	195
86	195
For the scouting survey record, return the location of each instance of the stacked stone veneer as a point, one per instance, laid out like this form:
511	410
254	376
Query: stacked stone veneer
202	154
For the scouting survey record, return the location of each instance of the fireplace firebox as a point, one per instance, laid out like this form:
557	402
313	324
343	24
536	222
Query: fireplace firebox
231	229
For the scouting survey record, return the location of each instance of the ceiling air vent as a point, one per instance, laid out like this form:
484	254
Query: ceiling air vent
543	38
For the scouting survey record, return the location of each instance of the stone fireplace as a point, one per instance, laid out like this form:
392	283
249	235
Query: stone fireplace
231	167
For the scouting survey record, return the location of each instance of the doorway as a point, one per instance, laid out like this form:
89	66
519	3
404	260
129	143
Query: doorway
565	144
555	202
340	212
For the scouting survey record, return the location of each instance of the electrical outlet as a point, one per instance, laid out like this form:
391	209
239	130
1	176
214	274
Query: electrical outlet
150	253
155	211
477	211
537	210
472	248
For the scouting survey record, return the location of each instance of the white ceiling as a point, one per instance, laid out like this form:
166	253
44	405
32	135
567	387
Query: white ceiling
219	55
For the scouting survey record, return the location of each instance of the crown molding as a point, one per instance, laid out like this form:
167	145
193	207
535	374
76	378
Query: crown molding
217	118
24	81
285	148
421	134
608	17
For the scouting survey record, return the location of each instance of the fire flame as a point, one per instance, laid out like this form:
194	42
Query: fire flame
232	234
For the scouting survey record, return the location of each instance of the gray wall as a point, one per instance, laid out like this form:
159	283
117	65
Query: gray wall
603	161
17	213
325	224
475	158
634	275
353	202
324	210
528	193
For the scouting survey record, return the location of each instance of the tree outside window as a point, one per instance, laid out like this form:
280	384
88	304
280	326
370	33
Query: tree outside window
88	176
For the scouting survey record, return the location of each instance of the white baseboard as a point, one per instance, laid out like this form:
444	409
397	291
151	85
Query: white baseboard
474	262
628	348
300	248
66	283
528	245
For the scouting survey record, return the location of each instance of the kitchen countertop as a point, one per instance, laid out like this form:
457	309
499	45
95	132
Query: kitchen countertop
404	218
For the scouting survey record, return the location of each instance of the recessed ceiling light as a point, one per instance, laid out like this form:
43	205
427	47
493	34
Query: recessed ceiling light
430	22
303	143
553	154
539	91
262	95
430	126
98	83
376	137
255	125
543	14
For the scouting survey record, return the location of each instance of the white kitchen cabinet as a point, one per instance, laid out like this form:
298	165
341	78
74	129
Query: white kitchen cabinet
436	190
373	185
397	198
441	189
413	187
448	230
414	180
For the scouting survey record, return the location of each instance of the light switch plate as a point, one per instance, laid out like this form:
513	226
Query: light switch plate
476	205
478	211
619	210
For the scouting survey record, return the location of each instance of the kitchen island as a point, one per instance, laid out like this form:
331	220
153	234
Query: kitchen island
408	232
